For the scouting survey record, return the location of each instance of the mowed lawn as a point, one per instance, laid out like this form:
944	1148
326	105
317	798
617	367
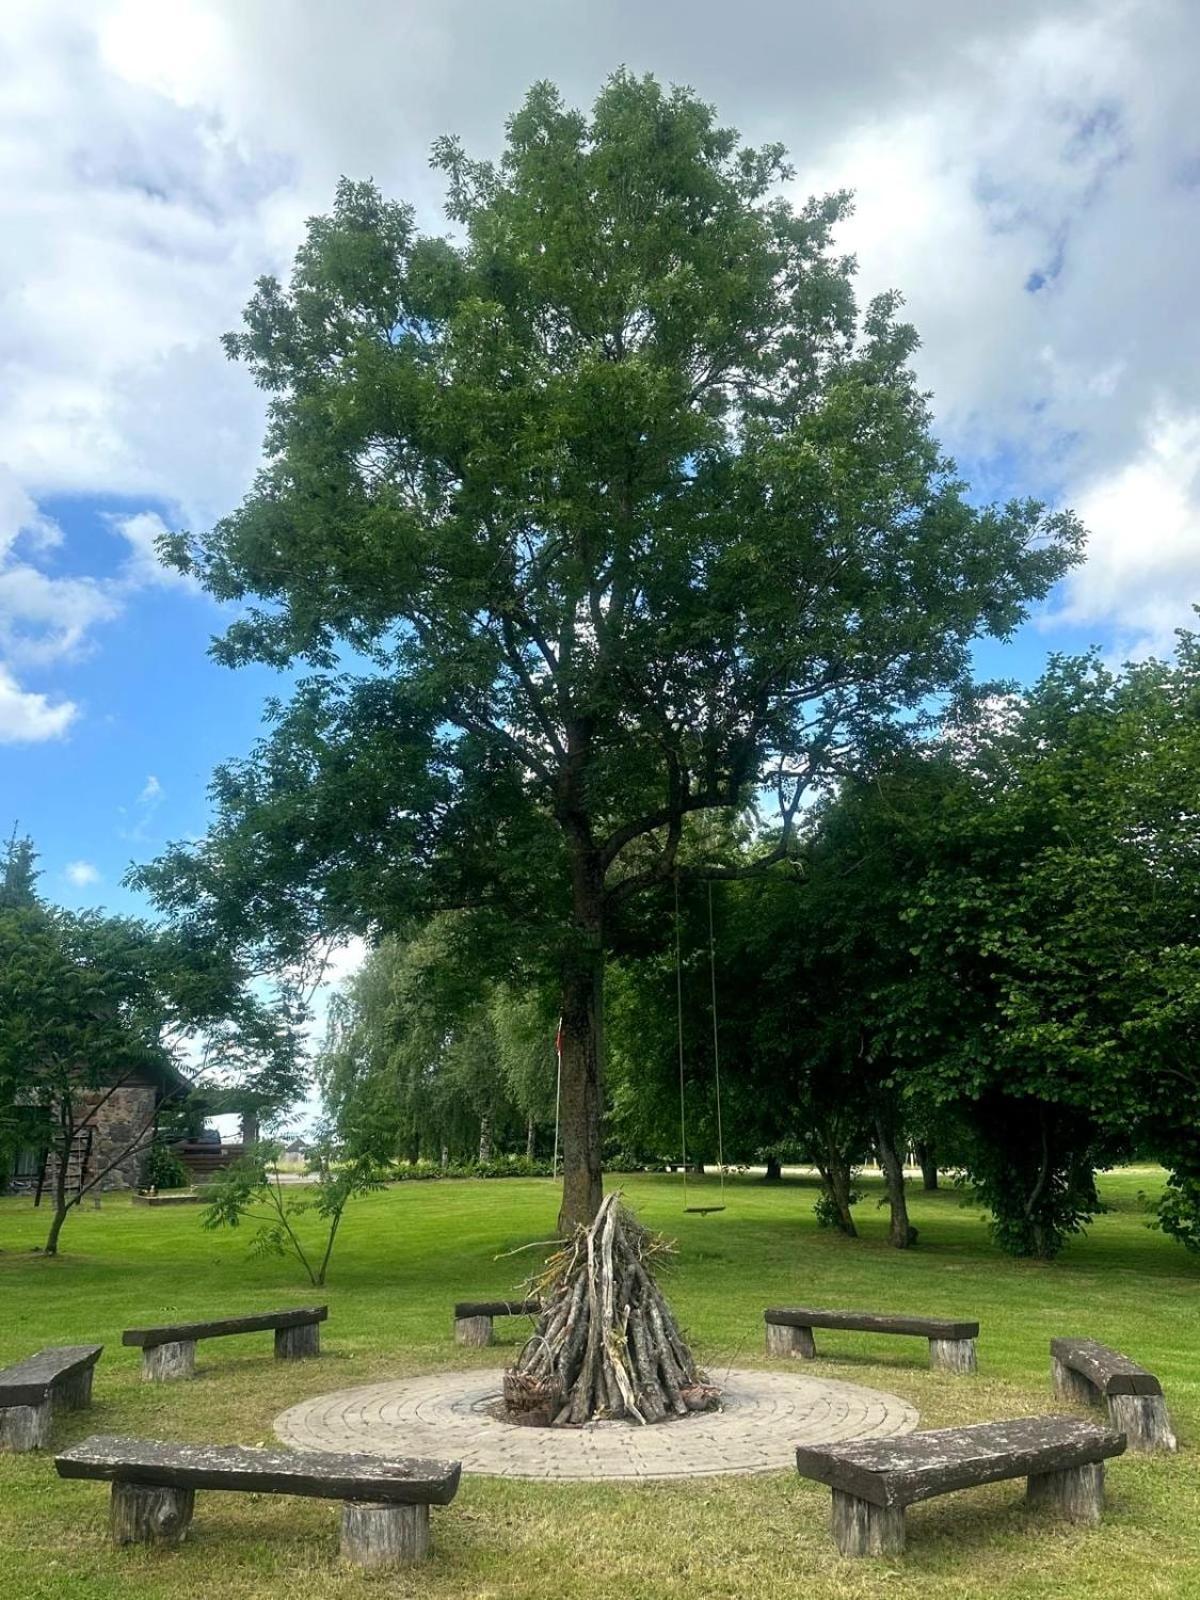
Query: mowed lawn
406	1254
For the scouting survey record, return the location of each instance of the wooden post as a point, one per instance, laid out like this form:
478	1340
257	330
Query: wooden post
861	1528
1144	1420
953	1355
473	1331
1071	1385
1075	1493
384	1535
142	1514
293	1344
785	1340
26	1427
163	1363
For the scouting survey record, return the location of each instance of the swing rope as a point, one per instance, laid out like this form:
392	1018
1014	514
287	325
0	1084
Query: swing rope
712	976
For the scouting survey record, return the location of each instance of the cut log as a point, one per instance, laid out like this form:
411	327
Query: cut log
1076	1493
26	1427
165	1363
1144	1420
953	1355
294	1344
384	1535
606	1340
144	1514
786	1339
863	1529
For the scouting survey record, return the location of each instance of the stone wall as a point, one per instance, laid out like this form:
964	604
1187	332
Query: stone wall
126	1116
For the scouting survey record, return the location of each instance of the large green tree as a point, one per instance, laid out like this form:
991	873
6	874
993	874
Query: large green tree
605	511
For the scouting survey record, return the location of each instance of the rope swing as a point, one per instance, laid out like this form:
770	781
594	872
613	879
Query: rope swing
700	1211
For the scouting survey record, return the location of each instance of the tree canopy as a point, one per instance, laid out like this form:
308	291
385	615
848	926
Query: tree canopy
608	509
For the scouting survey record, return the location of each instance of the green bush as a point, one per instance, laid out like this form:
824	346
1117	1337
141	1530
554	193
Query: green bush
162	1169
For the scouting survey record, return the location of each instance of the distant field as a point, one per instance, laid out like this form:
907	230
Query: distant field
408	1253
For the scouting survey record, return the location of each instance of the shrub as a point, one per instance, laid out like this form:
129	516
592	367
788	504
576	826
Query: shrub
162	1169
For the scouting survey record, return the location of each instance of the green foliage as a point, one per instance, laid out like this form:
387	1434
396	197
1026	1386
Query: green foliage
251	1191
162	1169
827	1211
1178	1212
624	512
424	1056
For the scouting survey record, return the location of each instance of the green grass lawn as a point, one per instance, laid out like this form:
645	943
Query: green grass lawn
408	1253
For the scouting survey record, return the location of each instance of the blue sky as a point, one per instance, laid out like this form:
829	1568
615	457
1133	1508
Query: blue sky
1027	175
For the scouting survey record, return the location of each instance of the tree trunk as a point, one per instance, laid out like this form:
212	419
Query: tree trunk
583	999
901	1233
837	1176
927	1159
485	1137
60	1194
774	1170
529	1138
60	1216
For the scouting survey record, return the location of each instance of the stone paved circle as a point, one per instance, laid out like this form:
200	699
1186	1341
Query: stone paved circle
765	1416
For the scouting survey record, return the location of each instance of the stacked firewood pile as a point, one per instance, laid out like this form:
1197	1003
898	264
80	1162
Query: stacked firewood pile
606	1344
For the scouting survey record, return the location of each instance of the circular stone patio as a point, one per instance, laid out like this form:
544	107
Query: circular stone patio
765	1416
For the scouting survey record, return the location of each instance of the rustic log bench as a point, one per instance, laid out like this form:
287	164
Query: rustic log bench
951	1344
473	1318
385	1503
170	1351
875	1479
1087	1371
57	1379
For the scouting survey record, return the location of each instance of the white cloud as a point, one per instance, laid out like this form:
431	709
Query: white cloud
151	793
26	717
82	874
1027	174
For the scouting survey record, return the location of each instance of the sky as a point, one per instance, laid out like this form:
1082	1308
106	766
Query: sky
1027	174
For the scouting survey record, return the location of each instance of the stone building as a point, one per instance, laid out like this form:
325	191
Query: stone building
114	1125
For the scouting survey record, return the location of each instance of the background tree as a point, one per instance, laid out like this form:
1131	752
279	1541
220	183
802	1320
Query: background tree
608	512
425	1059
90	1003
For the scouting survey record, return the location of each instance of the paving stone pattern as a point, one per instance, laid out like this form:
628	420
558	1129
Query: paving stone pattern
765	1416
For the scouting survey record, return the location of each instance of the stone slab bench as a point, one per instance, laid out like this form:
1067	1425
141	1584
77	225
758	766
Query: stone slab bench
951	1344
1089	1372
473	1319
56	1379
169	1351
385	1503
874	1480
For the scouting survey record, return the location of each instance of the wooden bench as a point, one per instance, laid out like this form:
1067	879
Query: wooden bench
951	1344
1087	1371
385	1503
473	1318
57	1379
170	1351
874	1480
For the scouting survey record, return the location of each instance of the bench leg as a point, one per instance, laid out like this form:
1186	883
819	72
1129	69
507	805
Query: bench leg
26	1427
163	1363
1071	1385
293	1344
473	1330
953	1355
384	1535
784	1340
143	1514
1075	1493
74	1393
1144	1420
863	1529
